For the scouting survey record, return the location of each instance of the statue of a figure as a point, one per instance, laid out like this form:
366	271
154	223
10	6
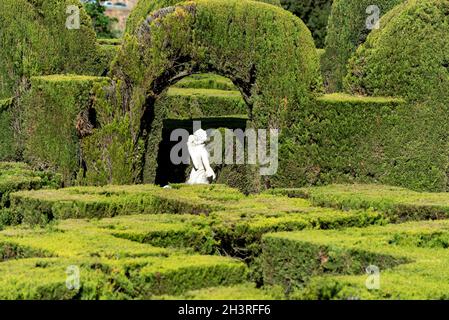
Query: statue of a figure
201	171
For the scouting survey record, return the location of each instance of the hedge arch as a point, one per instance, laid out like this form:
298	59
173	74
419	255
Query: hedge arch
144	7
34	41
347	30
267	52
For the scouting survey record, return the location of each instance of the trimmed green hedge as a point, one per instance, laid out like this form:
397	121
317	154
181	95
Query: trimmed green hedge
7	141
345	32
42	206
412	259
346	139
197	103
144	7
206	81
35	42
110	268
19	176
399	204
419	71
56	116
199	33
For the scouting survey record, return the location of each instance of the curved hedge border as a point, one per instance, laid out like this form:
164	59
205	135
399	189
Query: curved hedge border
144	7
346	31
420	68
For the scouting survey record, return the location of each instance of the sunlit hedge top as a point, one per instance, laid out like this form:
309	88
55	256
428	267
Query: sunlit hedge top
408	56
34	40
346	31
266	51
144	7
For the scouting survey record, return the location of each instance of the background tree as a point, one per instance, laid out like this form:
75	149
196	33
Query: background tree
314	13
101	22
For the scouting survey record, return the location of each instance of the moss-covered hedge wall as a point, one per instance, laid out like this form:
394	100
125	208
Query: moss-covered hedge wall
346	30
364	139
34	41
267	52
144	7
57	113
7	151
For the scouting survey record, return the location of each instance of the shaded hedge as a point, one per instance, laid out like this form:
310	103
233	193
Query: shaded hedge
35	41
7	150
413	65
411	257
345	32
314	13
345	138
56	115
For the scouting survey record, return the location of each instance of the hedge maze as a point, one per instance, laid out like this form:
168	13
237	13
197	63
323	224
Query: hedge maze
363	158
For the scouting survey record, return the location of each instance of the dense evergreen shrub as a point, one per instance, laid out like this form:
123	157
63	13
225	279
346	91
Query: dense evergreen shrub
346	31
409	57
34	40
255	51
144	7
314	13
7	151
57	114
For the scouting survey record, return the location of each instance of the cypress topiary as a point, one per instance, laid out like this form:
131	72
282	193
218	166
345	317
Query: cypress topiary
346	30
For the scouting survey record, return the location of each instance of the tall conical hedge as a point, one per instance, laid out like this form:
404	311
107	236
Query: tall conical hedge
409	57
345	32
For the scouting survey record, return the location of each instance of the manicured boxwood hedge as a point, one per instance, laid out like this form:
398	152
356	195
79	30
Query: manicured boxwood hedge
346	30
197	30
110	267
346	138
400	204
412	260
419	69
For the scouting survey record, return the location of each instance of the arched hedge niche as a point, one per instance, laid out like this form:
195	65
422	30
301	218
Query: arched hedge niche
267	53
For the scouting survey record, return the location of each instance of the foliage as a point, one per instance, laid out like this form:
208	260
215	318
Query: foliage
34	43
7	145
198	30
102	24
412	259
144	7
38	260
314	13
345	32
400	204
55	106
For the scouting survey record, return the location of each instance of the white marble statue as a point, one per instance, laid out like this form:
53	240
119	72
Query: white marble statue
201	171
